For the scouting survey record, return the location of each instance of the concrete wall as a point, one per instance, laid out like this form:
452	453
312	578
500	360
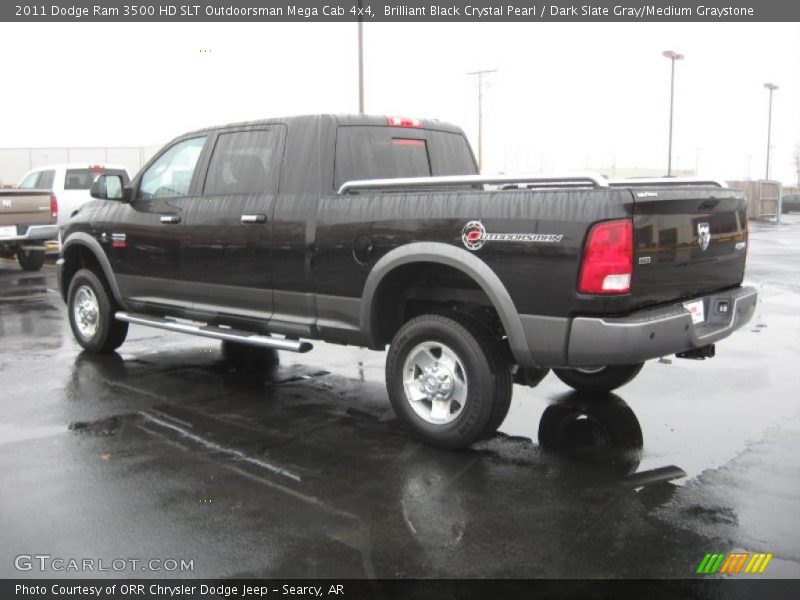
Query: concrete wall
15	162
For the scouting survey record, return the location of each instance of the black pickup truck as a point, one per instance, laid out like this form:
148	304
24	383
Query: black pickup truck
377	231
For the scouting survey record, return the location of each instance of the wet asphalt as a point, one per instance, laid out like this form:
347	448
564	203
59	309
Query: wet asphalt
299	469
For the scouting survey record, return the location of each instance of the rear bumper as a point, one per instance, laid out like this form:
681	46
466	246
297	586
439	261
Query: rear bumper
34	233
657	332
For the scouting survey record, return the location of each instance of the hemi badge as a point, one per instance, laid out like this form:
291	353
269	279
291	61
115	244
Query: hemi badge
647	195
119	240
644	260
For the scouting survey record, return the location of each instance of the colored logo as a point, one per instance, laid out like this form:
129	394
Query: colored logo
473	235
734	563
703	235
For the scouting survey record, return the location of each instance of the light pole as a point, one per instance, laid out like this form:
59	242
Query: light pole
771	87
480	75
673	56
360	61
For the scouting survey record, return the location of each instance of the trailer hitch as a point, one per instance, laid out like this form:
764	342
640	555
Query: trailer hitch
701	353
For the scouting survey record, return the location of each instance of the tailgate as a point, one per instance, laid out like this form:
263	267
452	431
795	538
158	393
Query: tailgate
687	241
25	207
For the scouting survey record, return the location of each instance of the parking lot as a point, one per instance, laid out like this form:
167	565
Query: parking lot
299	469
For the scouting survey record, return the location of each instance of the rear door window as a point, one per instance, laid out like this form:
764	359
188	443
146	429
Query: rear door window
244	162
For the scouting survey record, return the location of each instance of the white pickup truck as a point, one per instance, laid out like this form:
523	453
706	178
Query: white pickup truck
69	183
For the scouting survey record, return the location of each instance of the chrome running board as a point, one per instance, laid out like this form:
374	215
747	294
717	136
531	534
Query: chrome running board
214	332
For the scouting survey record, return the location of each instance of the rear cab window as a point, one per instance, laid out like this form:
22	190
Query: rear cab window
81	179
376	152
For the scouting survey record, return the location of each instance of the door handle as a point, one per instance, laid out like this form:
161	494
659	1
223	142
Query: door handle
260	218
170	219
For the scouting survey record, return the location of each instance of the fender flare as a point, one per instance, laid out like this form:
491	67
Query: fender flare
80	238
467	263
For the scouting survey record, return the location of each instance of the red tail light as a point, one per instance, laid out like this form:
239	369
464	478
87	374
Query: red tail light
403	122
608	259
54	206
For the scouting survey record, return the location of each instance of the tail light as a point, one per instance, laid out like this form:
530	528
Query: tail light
54	206
608	259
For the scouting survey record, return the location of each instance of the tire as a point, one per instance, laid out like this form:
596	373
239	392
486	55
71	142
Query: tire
252	358
91	310
602	379
30	260
466	367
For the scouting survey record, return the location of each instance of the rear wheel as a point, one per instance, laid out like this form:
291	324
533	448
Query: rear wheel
448	380
30	260
599	379
91	312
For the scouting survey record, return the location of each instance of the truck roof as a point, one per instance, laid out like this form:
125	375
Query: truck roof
335	119
74	165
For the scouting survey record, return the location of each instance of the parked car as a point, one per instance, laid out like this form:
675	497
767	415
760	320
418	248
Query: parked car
377	231
27	221
790	202
70	183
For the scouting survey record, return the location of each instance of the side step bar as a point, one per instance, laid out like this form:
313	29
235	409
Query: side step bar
217	333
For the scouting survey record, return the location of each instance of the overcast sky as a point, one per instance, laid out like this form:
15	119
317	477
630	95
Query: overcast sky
567	96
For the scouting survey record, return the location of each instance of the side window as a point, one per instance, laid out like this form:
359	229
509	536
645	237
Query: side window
242	163
46	180
171	174
29	183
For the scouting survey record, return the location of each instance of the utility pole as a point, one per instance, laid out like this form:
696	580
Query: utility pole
673	56
360	60
480	75
771	87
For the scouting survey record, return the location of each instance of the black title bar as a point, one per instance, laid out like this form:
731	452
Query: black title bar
402	11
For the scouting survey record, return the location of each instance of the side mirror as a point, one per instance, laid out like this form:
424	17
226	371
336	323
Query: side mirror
108	187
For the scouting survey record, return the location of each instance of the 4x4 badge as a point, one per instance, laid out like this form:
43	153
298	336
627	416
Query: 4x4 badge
703	235
474	236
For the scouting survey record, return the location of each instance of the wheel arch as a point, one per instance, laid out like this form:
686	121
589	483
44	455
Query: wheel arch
82	250
455	258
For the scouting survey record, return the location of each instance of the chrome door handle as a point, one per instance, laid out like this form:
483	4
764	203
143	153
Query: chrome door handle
170	219
260	218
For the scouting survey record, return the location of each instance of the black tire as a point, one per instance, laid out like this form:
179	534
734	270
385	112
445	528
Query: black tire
486	371
109	334
253	358
30	260
603	380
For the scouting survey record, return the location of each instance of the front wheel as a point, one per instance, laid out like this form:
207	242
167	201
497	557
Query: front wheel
91	314
30	260
599	379
447	379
